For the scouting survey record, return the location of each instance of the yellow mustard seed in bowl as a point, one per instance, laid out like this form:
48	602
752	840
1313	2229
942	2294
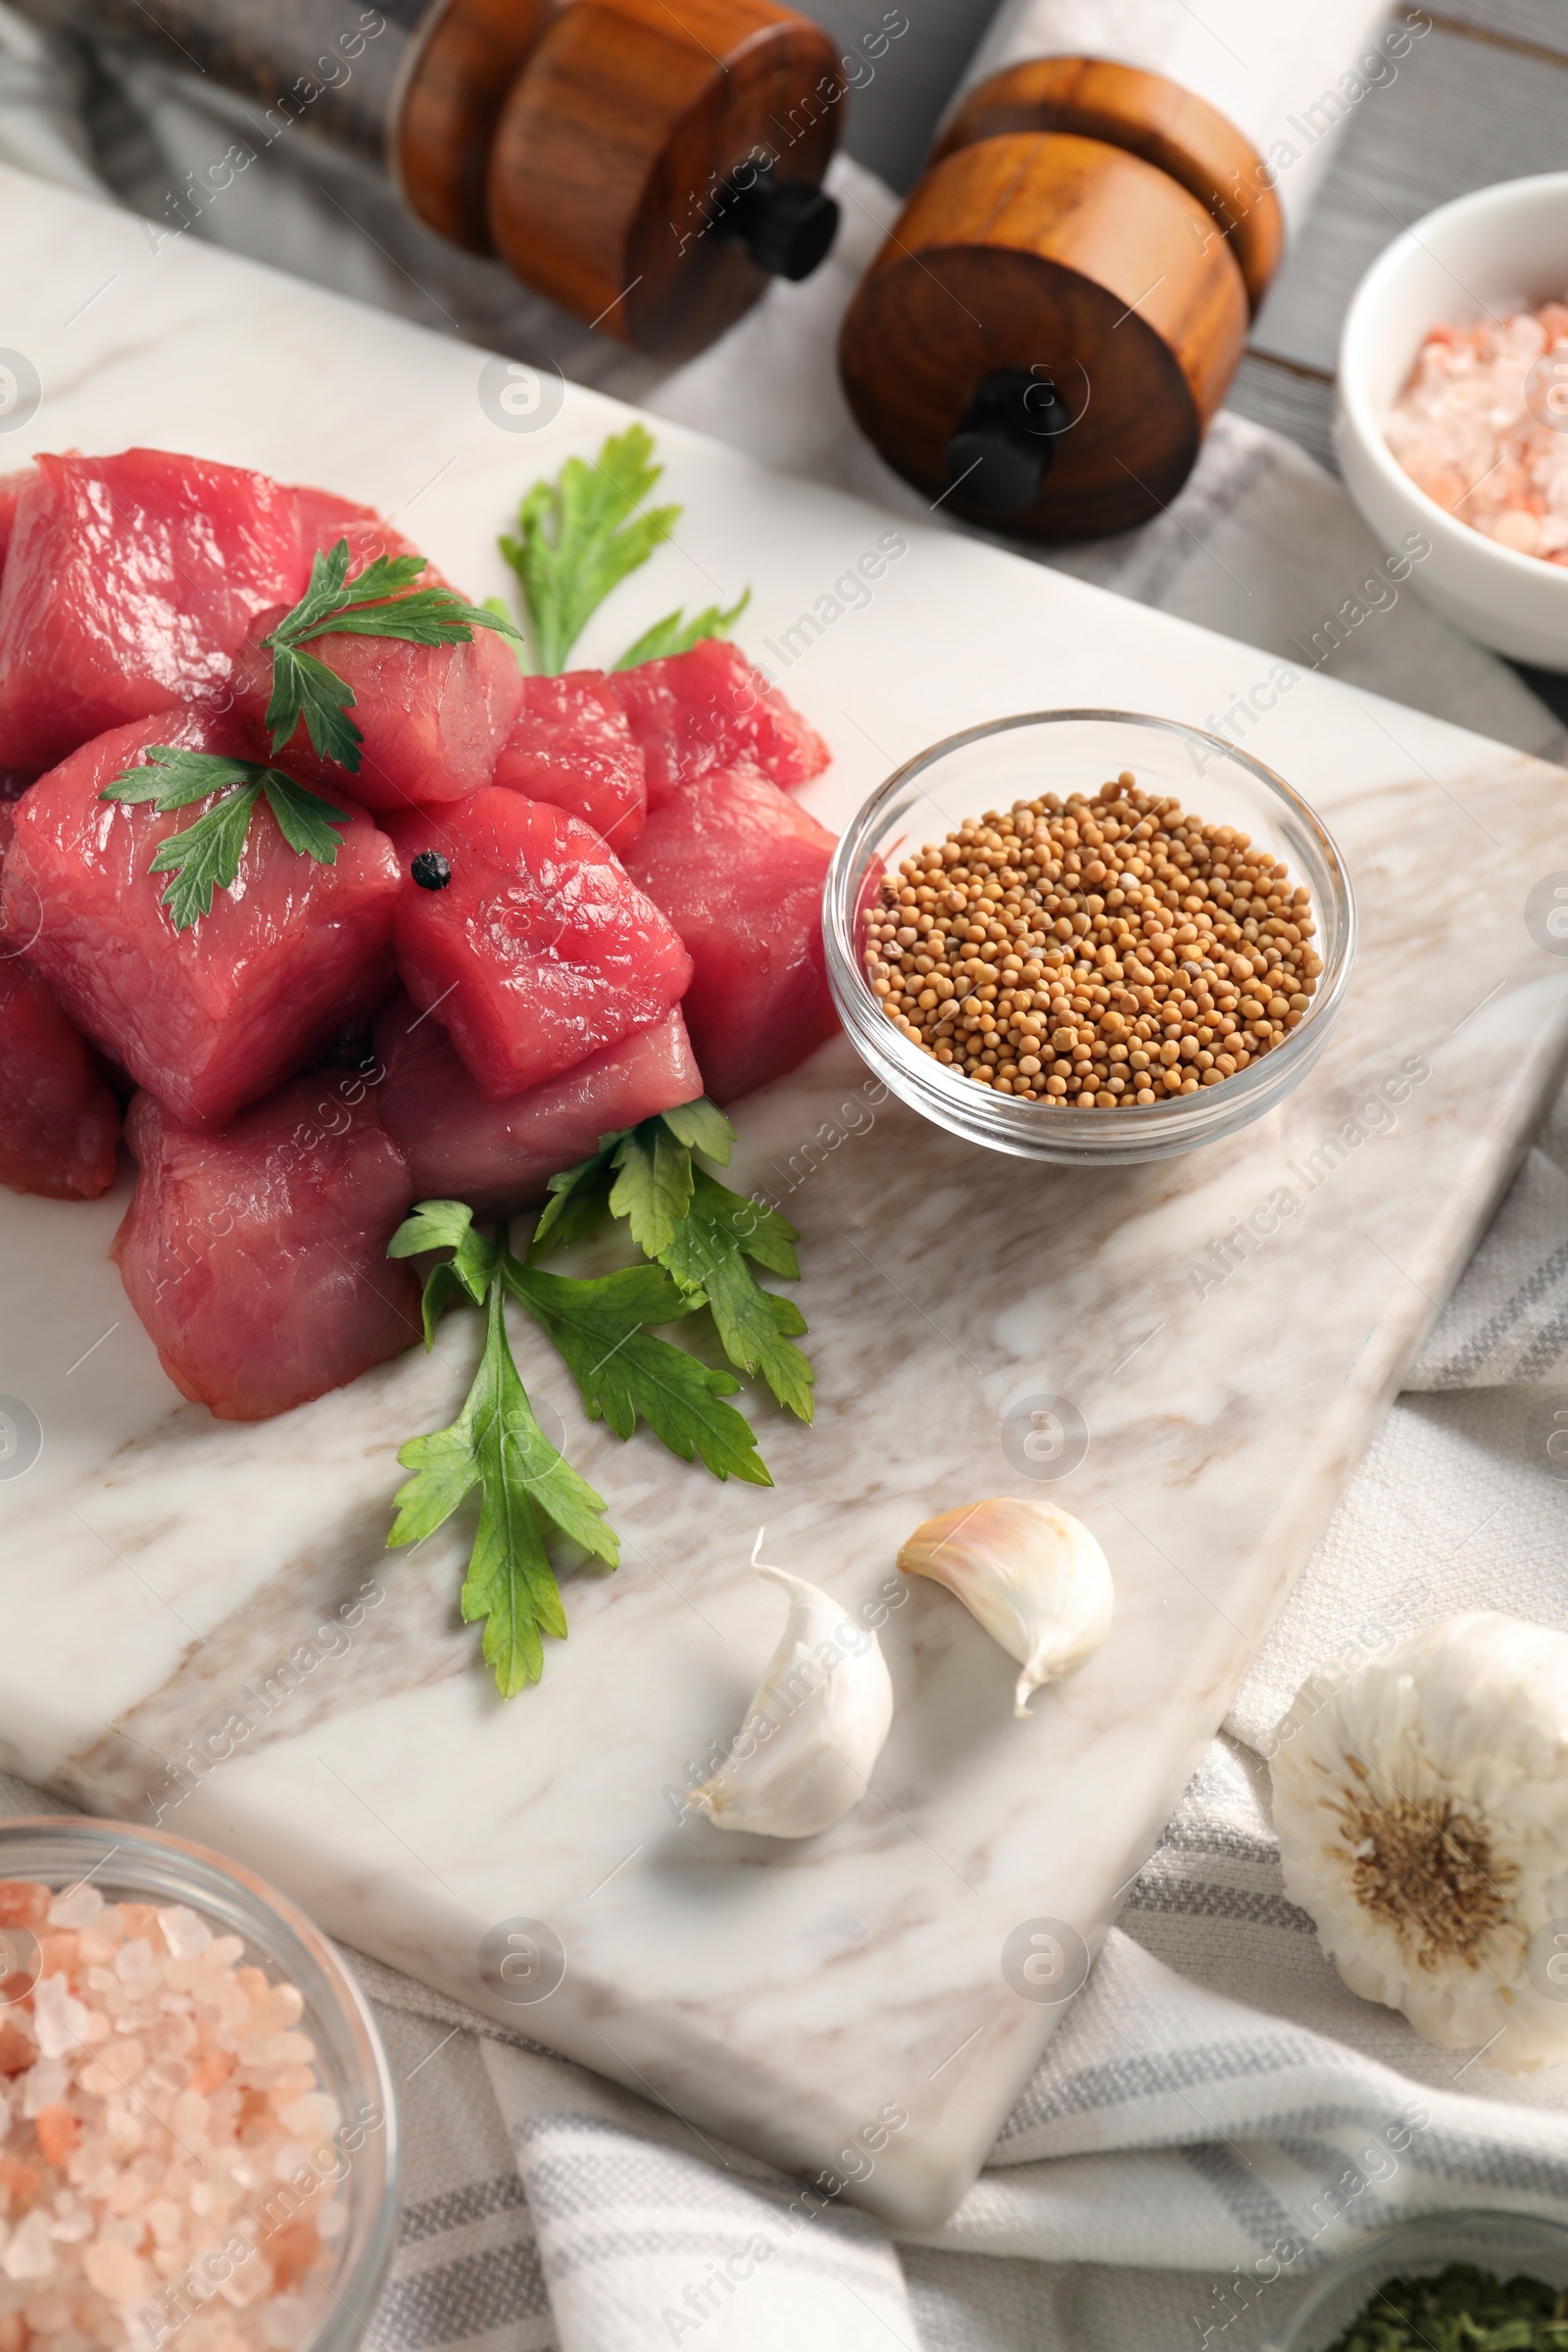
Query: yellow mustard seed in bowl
1099	951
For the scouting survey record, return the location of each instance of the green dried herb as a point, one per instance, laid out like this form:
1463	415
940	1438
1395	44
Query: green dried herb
1462	2309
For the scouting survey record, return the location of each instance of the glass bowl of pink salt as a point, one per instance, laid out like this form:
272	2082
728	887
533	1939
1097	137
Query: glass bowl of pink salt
1451	422
197	2143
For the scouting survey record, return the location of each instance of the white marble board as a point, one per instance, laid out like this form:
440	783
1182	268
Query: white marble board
158	1565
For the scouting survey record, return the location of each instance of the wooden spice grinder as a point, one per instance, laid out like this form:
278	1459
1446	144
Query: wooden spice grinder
1063	301
648	167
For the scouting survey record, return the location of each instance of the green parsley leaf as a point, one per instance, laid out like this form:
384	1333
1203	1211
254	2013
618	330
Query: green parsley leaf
653	1185
696	1228
448	1225
381	601
580	536
675	634
579	1198
708	1252
173	778
702	1126
205	857
304	818
524	1488
622	1370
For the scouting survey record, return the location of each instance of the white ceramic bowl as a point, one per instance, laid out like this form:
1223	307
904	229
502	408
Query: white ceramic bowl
1505	248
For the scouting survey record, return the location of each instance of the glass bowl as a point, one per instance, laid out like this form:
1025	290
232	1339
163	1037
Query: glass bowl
1065	752
128	1863
1507	2243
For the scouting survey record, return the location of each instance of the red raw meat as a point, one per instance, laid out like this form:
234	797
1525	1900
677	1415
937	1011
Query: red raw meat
433	717
499	1156
572	745
59	1122
131	584
256	1259
540	950
325	518
215	1017
12	485
738	866
708	709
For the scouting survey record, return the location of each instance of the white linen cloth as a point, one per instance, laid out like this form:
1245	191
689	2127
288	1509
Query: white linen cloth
1217	2114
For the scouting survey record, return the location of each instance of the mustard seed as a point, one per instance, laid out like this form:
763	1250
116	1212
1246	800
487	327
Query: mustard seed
1101	949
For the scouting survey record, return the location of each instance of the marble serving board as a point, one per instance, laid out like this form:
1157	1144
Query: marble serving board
161	1570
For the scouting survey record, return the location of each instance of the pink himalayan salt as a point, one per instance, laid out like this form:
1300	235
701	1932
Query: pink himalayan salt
1482	426
159	2093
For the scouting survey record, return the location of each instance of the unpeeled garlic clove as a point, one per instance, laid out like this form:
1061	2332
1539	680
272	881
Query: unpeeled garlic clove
815	1727
1033	1577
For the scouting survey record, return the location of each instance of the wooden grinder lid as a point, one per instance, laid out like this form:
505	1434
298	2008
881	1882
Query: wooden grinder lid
1059	311
652	167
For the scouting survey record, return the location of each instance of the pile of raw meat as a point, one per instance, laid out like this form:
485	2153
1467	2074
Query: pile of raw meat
632	917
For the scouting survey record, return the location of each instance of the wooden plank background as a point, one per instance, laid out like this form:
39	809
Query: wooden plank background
1482	97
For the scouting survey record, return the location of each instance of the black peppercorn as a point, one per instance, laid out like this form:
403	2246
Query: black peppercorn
430	870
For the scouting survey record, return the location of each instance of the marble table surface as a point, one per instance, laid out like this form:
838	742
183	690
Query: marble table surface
158	1570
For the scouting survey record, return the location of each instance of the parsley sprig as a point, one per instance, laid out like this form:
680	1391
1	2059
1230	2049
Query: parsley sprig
495	1444
579	536
381	600
706	1237
695	1236
205	857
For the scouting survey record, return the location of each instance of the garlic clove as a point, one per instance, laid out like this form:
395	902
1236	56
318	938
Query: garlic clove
815	1727
1033	1577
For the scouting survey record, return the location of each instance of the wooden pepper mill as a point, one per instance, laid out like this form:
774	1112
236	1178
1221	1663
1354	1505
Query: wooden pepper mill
1062	303
648	167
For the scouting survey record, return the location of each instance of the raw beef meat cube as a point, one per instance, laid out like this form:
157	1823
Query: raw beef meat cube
256	1259
215	1017
12	485
738	868
325	518
433	717
131	584
539	950
59	1122
572	745
708	709
499	1156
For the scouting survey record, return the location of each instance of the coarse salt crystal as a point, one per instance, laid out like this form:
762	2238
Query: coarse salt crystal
1482	427
130	2121
29	2253
114	2270
76	1907
43	2085
59	2021
184	1932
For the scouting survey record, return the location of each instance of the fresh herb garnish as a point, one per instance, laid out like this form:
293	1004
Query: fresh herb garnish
699	1236
624	1373
579	537
497	1446
675	634
698	1231
205	857
1463	2309
381	601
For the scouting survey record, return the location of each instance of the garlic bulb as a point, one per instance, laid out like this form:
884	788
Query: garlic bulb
1421	1800
815	1727
1033	1576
